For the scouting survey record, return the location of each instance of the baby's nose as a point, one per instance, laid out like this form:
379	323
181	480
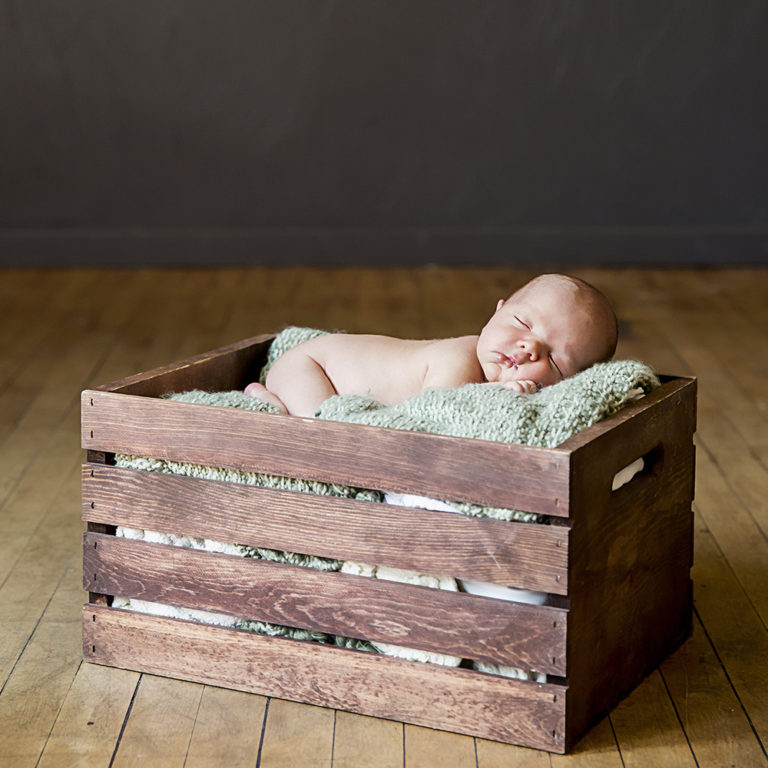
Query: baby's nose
532	349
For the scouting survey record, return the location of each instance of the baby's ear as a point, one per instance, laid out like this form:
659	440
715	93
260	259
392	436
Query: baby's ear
500	304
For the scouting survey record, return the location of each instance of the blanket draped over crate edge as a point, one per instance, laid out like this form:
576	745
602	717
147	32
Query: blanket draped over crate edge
480	411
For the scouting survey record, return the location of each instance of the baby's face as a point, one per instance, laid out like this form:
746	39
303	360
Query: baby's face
544	333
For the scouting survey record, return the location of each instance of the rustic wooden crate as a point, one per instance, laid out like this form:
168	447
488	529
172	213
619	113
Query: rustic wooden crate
616	565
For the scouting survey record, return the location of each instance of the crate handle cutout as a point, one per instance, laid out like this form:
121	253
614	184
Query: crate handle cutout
647	465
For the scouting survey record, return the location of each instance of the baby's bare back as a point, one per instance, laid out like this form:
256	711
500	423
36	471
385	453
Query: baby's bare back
387	369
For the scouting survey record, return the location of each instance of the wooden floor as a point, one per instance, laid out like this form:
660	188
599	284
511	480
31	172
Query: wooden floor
62	331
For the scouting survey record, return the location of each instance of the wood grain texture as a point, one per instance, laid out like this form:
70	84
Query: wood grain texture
89	722
597	749
641	417
160	727
451	699
368	457
52	654
238	715
296	734
158	428
492	754
735	629
426	748
718	729
366	742
501	632
229	367
650	704
632	551
40	647
60	327
524	555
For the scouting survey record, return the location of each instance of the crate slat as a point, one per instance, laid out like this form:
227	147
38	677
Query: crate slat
459	700
368	457
525	555
226	368
513	634
620	561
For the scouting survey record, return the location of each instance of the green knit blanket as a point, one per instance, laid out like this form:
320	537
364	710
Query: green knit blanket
481	411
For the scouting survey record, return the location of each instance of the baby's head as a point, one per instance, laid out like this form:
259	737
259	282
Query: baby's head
551	328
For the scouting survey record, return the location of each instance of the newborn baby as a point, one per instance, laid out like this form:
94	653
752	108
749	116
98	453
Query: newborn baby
551	328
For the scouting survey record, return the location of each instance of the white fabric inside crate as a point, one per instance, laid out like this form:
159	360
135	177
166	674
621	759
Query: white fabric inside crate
484	589
497	591
206	617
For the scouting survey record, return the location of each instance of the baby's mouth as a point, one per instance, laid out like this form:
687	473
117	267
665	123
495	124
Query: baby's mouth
505	361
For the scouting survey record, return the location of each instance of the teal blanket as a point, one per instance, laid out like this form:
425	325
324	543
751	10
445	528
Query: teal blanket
488	411
481	411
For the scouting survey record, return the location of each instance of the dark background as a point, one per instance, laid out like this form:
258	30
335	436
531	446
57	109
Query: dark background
363	132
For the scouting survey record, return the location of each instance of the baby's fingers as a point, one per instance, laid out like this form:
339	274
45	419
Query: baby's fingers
524	386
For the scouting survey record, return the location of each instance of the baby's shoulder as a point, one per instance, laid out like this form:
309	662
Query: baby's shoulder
458	347
454	360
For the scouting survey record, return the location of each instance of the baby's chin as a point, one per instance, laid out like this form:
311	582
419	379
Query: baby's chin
498	374
492	373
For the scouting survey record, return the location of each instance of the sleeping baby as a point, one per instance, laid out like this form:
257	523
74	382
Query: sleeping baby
551	328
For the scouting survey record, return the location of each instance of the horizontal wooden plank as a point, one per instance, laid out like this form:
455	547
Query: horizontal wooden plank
501	632
226	368
525	555
483	472
460	700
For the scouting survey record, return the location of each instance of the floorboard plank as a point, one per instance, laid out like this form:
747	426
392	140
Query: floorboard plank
38	568
597	749
45	482
715	343
159	729
90	720
426	748
297	734
732	625
737	534
648	730
492	754
62	330
38	517
367	742
711	714
41	672
227	730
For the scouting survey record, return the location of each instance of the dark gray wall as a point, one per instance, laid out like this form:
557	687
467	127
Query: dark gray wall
264	131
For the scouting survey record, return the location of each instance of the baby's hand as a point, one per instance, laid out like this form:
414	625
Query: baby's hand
524	386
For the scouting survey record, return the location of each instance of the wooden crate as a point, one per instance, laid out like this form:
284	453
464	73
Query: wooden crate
616	565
